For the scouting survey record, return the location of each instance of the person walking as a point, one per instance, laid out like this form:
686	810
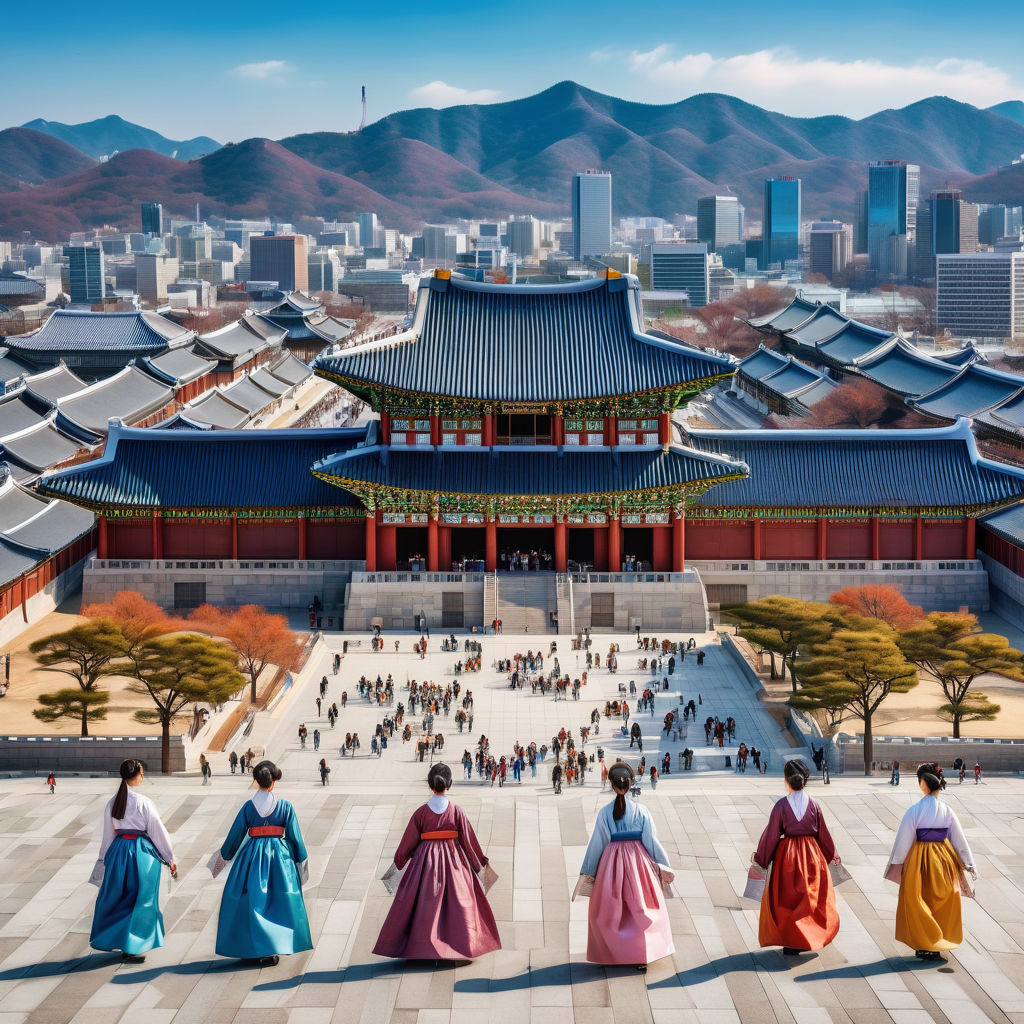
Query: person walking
303	733
316	739
205	769
977	772
133	850
440	911
262	913
233	762
325	772
625	871
798	907
894	778
928	859
51	781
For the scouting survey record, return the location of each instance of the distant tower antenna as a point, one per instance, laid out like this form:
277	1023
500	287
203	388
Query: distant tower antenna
362	124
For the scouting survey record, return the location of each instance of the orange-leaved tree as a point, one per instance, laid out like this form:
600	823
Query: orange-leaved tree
138	618
257	637
879	601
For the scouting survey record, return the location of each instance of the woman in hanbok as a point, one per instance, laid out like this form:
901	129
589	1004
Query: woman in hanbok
440	910
134	848
626	872
928	859
261	910
798	908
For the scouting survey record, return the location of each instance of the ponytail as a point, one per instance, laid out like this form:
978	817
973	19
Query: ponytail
130	769
621	777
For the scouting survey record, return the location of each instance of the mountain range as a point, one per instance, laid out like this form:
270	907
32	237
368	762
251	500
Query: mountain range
112	134
426	165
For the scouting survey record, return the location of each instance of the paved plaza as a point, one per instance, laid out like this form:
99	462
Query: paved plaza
708	820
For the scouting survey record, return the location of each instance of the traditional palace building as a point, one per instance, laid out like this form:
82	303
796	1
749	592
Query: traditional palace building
532	419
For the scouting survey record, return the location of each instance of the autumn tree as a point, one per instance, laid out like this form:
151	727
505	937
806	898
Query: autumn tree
86	652
257	638
84	705
138	618
879	601
177	671
785	625
855	669
951	647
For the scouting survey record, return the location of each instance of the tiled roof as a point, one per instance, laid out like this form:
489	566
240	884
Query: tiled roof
973	390
18	411
960	356
759	364
904	369
527	471
56	527
52	385
796	313
329	328
214	410
791	379
927	468
268	382
1008	416
290	369
825	323
536	343
207	469
17	505
40	446
854	340
179	366
248	395
72	330
237	339
128	395
1007	523
10	368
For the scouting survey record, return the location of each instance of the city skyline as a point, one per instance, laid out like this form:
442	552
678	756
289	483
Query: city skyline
273	84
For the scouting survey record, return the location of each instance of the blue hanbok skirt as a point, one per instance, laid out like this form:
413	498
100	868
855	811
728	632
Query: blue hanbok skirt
261	910
127	915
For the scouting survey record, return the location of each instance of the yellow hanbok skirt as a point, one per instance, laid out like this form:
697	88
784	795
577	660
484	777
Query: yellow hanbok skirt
928	914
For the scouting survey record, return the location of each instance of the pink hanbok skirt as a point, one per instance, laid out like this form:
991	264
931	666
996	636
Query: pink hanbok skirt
440	911
628	919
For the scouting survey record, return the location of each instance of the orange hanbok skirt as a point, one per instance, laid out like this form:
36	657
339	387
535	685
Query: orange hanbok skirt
798	908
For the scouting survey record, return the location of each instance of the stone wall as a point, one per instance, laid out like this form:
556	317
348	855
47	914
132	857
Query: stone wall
656	601
41	604
274	584
93	755
1006	591
994	755
398	598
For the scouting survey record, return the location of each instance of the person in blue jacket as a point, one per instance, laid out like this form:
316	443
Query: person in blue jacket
262	914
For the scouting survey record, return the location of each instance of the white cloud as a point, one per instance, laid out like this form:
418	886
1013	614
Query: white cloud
441	94
780	80
262	69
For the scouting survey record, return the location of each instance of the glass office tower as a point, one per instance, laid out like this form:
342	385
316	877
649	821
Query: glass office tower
781	241
591	213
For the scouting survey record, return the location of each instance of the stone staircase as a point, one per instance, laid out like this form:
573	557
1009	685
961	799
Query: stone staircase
525	601
490	598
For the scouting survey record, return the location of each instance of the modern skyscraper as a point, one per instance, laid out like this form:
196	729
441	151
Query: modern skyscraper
153	274
945	225
893	190
367	230
591	213
781	241
719	222
523	236
981	294
280	258
831	248
85	273
152	219
860	222
681	266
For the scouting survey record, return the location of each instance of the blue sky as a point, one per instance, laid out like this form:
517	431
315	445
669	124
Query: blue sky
274	69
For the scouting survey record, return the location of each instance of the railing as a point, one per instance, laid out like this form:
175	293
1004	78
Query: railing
417	577
224	563
633	577
748	565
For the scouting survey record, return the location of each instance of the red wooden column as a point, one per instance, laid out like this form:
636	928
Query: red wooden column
610	423
614	543
371	541
234	538
488	425
970	543
444	548
435	427
491	553
918	539
876	541
101	542
432	545
303	535
561	531
679	541
557	428
822	538
385	426
158	534
758	540
665	428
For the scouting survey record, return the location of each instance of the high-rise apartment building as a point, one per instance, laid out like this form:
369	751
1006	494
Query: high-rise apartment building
523	236
945	225
981	294
280	258
681	266
893	190
85	273
719	222
781	239
152	219
995	222
860	222
830	245
591	213
439	245
153	274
